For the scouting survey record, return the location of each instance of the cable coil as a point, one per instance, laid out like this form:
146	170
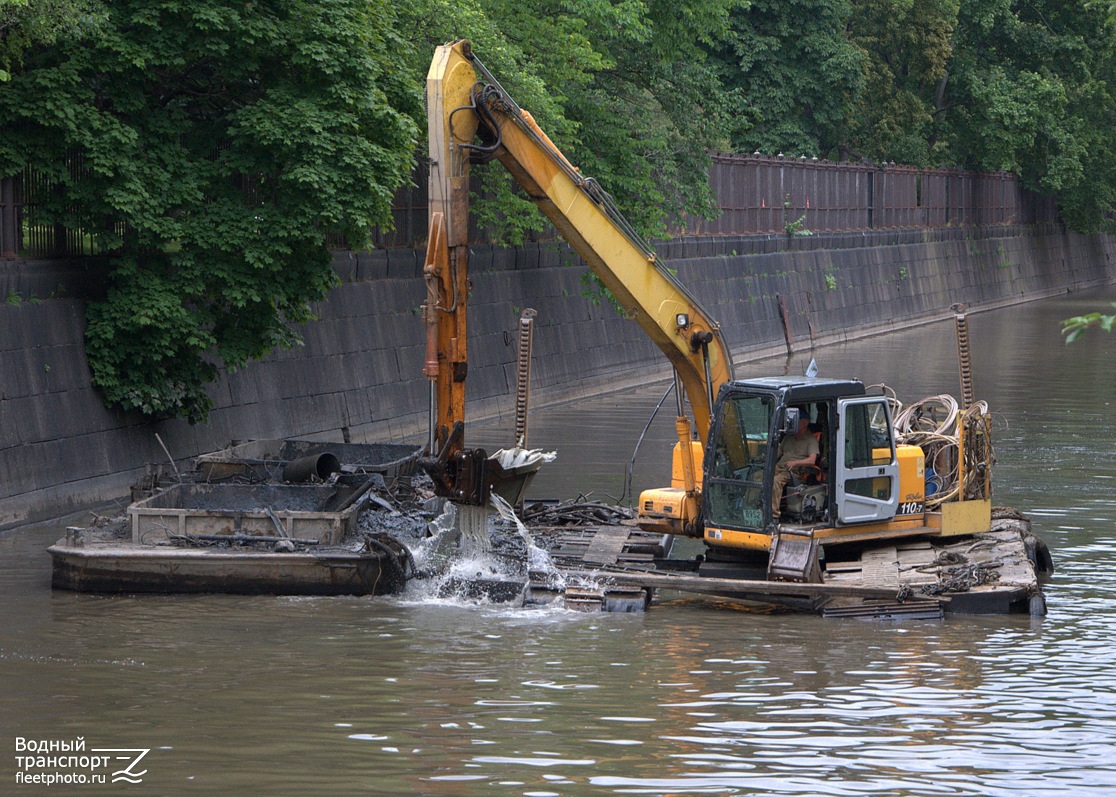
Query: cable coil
937	425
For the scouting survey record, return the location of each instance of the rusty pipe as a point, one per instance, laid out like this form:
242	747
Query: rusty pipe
312	466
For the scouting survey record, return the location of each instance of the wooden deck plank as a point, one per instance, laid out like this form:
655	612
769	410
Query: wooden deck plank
744	587
607	545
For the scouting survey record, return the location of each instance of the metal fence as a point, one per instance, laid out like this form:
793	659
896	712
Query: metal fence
759	194
755	194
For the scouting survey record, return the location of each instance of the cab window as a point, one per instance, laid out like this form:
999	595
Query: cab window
734	480
867	441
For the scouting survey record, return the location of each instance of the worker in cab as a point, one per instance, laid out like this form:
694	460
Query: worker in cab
800	450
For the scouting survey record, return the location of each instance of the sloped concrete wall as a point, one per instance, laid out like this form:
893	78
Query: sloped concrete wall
359	373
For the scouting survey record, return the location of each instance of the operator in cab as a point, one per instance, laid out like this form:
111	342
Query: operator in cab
798	451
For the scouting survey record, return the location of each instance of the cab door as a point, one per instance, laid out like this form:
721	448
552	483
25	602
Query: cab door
867	474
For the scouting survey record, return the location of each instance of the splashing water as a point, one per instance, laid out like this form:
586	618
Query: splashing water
469	555
538	559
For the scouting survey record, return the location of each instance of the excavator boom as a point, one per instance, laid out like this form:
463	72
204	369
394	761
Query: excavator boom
465	102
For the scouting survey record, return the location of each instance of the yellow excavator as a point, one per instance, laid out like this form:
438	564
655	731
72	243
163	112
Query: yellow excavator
863	484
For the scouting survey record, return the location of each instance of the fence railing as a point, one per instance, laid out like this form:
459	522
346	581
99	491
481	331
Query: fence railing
760	194
755	194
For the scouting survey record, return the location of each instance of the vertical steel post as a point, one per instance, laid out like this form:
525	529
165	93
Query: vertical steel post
8	227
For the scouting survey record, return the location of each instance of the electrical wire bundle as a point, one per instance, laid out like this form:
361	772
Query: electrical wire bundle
937	424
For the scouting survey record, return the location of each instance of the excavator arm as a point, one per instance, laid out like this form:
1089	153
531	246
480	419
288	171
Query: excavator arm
472	119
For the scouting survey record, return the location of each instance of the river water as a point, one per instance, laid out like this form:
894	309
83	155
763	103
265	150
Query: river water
408	696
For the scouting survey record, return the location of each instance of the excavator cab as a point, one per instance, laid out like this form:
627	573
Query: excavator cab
856	479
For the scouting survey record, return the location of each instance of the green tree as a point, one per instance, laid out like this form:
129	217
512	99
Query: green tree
986	85
655	108
1030	92
623	88
793	76
210	146
30	23
907	47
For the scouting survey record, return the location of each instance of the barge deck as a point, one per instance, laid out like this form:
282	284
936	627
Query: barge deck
996	572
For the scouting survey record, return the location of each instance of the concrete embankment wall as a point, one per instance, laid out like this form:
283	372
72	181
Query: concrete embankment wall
358	376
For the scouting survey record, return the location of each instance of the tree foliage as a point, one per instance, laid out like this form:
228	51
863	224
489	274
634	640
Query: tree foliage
907	46
1074	328
1032	95
33	23
210	147
623	88
986	85
792	75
